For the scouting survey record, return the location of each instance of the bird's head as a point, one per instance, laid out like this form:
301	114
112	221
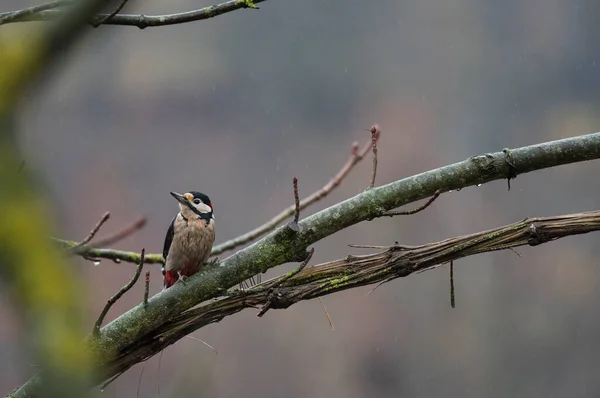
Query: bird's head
194	202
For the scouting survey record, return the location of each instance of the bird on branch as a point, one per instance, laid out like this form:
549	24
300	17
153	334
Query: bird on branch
190	237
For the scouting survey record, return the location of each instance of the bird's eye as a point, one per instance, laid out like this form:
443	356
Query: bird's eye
197	201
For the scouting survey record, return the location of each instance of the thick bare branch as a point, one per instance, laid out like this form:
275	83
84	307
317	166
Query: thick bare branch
354	271
48	12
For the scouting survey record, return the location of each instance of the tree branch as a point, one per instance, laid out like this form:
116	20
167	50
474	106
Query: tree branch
48	12
92	233
354	271
132	332
356	156
121	292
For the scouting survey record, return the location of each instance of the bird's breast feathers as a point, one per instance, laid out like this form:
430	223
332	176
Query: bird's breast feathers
192	243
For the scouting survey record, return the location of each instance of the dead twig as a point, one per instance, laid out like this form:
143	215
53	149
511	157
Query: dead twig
356	155
137	395
203	342
418	209
327	314
147	288
109	381
119	294
92	233
296	201
452	283
158	373
274	291
374	137
104	18
89	251
122	234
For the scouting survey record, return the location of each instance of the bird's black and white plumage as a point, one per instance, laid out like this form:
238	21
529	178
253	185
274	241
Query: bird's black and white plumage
190	237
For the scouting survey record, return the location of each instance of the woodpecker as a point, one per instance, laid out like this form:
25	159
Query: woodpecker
190	237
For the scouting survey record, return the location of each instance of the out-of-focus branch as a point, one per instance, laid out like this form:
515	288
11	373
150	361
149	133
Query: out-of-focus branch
101	20
21	67
94	251
46	12
42	283
354	271
92	233
26	13
111	254
356	155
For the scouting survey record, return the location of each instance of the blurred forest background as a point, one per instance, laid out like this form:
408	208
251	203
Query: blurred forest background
237	105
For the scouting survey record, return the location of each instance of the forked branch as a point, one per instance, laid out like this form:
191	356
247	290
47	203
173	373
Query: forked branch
394	262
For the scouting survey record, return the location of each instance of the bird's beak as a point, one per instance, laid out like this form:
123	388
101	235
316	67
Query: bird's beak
180	198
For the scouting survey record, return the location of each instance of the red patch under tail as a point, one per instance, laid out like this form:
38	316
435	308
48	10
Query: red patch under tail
172	276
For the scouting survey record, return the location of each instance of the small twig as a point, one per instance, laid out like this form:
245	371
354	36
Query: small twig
92	233
275	288
418	209
378	285
512	170
102	19
137	395
203	342
21	167
374	137
297	201
452	283
327	314
119	294
396	246
514	251
158	373
147	288
107	382
356	155
122	234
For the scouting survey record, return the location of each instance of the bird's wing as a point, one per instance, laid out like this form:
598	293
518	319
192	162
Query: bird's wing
168	239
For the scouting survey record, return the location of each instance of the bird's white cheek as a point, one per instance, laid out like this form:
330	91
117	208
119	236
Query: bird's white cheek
203	208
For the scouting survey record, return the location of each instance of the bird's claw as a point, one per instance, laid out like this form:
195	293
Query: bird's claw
182	277
213	261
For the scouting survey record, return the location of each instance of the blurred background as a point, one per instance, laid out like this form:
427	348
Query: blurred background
237	105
